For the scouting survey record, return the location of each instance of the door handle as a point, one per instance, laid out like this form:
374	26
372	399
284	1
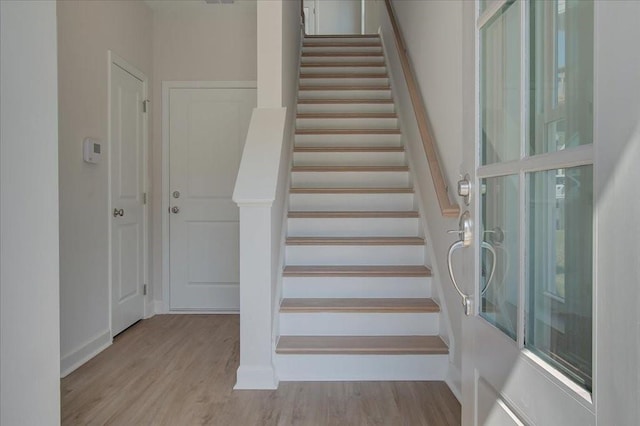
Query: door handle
466	236
118	212
466	299
488	246
175	209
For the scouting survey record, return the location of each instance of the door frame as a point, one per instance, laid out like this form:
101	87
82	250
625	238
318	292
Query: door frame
113	58
167	85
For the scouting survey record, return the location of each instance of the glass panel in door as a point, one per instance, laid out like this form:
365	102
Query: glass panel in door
561	75
559	296
500	95
500	238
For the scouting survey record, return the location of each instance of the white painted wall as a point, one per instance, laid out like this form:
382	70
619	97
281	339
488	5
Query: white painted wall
193	41
339	16
29	284
372	12
433	33
269	53
86	31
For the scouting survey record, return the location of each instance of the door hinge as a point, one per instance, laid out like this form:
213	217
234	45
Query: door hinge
144	198
144	289
144	105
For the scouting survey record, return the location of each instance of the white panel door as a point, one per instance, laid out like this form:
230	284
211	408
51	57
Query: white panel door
127	191
309	10
528	339
339	16
207	131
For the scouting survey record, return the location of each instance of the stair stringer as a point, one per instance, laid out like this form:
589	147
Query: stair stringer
453	375
282	198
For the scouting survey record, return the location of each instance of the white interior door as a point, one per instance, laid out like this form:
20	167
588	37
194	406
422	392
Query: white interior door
339	16
207	131
309	10
528	341
127	204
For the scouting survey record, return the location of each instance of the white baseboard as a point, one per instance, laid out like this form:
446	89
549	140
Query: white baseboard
256	377
149	309
75	359
159	307
454	381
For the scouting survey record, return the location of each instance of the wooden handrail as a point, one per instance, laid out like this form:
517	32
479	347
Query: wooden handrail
447	208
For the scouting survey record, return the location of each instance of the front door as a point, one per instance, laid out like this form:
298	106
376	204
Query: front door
127	133
527	355
207	131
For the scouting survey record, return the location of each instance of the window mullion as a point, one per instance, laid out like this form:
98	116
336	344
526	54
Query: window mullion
524	120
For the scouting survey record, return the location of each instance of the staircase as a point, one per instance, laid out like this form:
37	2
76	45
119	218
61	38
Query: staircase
356	292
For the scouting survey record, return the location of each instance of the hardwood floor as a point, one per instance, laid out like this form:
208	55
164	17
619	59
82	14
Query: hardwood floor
180	370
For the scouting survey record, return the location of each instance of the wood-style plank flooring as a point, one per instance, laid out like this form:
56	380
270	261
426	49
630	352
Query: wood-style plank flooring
180	370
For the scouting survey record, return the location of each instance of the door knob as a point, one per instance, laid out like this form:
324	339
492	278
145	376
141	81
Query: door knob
118	212
175	209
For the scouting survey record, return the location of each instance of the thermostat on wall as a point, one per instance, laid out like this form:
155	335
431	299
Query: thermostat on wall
92	150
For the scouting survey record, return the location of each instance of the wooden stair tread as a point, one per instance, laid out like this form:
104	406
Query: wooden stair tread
344	75
345	101
300	190
340	54
362	345
357	271
347	115
348	131
347	87
381	305
350	169
351	214
321	36
343	44
328	64
348	149
355	241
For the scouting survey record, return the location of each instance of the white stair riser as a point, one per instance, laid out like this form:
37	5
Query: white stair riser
356	287
338	108
355	255
344	94
358	324
348	158
343	70
308	48
350	202
350	179
361	367
347	59
377	81
347	123
348	140
353	227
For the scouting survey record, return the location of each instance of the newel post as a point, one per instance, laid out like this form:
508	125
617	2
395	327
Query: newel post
256	369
